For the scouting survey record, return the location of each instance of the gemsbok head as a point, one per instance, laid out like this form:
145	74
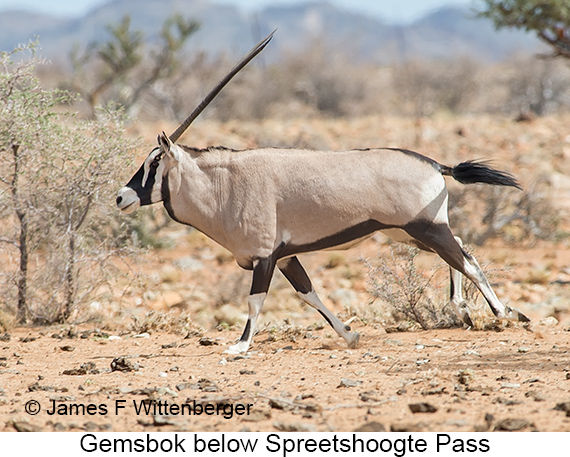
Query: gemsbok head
267	206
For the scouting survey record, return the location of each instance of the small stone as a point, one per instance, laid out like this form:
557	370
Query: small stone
422	408
124	364
565	406
510	385
371	427
511	425
535	395
24	426
294	427
465	376
205	341
344	382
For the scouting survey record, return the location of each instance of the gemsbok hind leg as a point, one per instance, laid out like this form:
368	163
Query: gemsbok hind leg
262	273
456	301
297	276
439	238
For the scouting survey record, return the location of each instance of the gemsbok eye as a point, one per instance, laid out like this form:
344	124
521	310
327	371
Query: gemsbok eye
154	164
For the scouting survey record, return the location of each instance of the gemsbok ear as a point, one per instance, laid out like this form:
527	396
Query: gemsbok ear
168	147
164	142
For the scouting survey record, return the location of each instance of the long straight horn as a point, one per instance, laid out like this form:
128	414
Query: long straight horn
216	90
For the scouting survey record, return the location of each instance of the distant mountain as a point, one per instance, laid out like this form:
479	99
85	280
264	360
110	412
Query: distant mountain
444	33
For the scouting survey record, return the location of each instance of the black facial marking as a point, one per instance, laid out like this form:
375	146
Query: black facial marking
144	193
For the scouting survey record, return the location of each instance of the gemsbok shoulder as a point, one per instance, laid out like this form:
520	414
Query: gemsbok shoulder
268	205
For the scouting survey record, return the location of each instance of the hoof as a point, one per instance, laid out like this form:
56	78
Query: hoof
514	314
467	320
239	348
352	340
522	317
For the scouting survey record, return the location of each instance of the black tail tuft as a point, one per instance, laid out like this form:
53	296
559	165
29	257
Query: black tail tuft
472	172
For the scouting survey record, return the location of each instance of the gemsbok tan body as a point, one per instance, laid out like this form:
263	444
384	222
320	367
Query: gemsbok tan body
268	205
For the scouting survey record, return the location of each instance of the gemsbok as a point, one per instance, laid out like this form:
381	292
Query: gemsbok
268	205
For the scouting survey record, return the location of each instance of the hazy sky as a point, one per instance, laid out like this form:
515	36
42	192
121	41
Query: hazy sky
395	10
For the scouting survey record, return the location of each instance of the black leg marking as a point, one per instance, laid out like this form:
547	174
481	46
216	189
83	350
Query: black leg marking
438	237
246	331
296	275
451	284
326	318
262	273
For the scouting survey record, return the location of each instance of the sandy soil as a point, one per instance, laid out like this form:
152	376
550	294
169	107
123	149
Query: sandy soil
437	380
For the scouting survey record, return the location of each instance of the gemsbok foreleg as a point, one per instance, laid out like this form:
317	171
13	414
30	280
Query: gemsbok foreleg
297	276
439	238
262	273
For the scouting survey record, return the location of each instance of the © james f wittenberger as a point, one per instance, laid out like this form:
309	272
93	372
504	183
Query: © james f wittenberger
145	408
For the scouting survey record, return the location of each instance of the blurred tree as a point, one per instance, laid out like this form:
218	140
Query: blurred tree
118	67
549	19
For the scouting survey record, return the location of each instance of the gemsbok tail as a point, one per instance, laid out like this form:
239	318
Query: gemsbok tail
472	172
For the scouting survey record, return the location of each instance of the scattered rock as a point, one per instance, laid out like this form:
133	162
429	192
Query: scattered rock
549	321
86	368
294	427
257	415
345	382
67	348
408	427
24	426
246	372
535	395
510	385
565	406
277	403
422	408
206	385
205	341
124	364
160	420
512	425
36	387
186	385
28	339
371	427
370	395
5	337
465	376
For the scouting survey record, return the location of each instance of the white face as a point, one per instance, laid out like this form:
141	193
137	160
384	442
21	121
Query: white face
145	187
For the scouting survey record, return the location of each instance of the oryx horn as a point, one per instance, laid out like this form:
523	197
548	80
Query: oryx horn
216	90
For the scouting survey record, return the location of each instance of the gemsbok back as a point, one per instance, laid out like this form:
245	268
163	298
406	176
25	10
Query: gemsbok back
268	205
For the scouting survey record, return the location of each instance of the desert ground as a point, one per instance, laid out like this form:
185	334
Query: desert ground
131	361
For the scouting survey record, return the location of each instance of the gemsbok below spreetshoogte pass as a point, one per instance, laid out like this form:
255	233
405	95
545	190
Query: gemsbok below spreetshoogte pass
268	205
